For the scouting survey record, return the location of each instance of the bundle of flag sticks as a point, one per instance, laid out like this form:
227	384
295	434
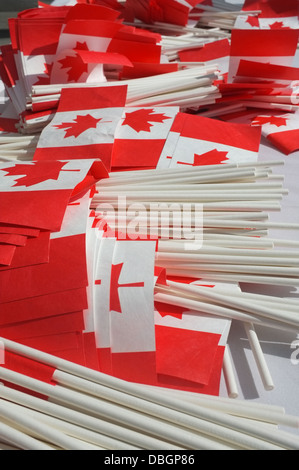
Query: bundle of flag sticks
122	123
92	411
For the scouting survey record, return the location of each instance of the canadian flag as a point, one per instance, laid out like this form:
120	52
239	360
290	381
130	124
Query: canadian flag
140	136
267	46
282	130
84	124
198	366
86	28
259	22
37	42
204	141
271	75
48	311
166	11
36	194
124	309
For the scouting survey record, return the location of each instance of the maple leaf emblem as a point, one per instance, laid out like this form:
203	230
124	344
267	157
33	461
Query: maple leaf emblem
45	78
213	157
142	119
79	125
253	21
273	120
36	172
278	25
74	63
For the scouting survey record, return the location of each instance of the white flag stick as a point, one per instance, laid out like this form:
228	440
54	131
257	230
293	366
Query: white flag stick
75	437
228	373
259	356
32	426
238	277
228	259
112	435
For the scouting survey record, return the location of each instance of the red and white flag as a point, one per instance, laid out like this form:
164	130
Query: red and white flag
124	309
84	124
282	130
166	11
36	194
140	136
216	52
267	46
83	32
37	41
205	141
132	326
273	14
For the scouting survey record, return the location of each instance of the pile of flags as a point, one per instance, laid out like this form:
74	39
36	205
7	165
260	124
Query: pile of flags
133	202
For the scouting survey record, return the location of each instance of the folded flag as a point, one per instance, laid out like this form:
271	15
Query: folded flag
84	125
123	309
140	136
282	130
197	140
36	194
267	46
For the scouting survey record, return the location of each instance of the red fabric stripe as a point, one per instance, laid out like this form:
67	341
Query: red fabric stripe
137	367
287	141
66	270
263	42
207	52
41	306
97	28
136	152
99	151
39	37
40	209
73	99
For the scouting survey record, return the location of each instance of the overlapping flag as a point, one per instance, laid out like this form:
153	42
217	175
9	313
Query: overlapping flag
74	283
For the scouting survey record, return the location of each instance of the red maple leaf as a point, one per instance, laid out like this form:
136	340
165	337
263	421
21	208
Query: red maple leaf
45	78
36	172
74	63
79	125
273	120
141	119
213	157
253	21
278	25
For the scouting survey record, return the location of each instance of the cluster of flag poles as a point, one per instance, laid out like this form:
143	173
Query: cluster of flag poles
114	414
123	161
